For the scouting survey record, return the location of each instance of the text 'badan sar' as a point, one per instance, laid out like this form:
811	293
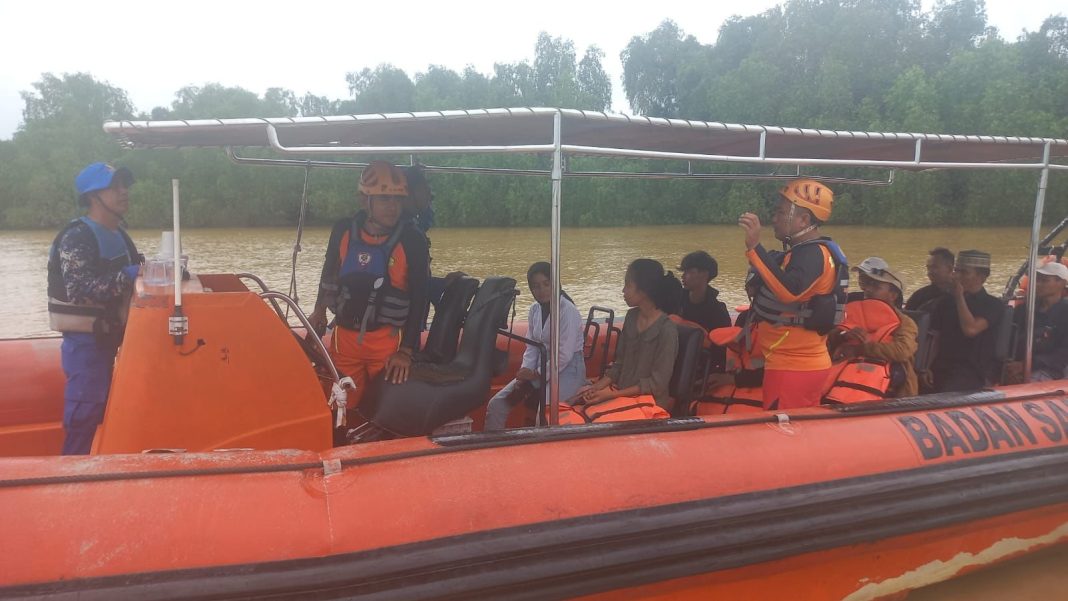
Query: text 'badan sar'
975	430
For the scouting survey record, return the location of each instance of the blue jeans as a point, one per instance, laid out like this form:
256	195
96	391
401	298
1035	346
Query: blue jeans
88	370
572	377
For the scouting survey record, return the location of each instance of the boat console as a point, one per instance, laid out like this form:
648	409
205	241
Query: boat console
238	378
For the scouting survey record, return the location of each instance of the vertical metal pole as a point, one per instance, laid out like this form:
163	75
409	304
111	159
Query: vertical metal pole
178	324
1032	265
554	302
177	246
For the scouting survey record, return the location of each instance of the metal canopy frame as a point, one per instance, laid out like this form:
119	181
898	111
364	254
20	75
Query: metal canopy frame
561	133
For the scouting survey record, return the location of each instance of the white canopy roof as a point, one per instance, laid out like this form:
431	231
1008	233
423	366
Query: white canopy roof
531	130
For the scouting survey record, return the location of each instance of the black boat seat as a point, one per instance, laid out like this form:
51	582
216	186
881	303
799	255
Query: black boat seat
687	362
437	393
1005	337
444	334
925	340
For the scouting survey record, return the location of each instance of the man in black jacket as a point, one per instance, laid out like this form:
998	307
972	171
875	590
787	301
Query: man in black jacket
966	320
940	272
1049	352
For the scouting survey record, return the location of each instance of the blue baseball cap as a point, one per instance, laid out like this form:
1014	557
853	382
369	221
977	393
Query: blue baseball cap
98	176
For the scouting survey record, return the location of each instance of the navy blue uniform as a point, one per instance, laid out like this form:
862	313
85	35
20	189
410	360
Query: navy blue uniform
92	268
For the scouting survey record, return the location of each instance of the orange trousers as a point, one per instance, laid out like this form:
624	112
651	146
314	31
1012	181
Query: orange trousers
789	389
362	360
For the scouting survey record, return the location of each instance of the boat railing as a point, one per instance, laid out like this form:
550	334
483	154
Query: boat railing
263	288
542	362
309	334
610	328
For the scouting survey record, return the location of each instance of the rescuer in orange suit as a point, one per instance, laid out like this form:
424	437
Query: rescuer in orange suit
801	294
374	280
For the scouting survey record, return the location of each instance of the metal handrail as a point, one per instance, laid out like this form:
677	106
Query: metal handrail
542	352
310	331
690	175
1014	281
610	327
263	287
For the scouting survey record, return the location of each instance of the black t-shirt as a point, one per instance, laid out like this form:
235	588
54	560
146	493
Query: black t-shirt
711	313
1050	350
957	352
923	296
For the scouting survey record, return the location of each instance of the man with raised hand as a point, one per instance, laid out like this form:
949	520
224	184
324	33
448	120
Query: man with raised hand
800	296
966	320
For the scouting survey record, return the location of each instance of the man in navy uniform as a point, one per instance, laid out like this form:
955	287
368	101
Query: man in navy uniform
92	266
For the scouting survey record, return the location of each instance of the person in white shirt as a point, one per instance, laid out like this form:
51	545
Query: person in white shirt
527	383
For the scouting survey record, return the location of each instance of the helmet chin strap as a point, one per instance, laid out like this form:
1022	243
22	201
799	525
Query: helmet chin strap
372	221
788	240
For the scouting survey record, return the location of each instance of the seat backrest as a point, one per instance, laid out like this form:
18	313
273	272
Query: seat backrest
687	361
449	316
1005	336
438	393
925	340
489	311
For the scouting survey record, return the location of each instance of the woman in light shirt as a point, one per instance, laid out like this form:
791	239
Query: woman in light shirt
527	381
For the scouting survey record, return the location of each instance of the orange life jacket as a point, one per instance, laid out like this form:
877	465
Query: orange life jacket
678	320
619	409
743	353
863	378
728	398
743	347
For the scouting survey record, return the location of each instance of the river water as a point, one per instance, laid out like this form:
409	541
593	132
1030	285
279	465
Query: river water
594	259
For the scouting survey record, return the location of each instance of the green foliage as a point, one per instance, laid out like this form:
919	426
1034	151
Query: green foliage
875	65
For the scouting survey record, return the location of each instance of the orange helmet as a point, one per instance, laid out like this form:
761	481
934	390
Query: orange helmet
383	179
810	194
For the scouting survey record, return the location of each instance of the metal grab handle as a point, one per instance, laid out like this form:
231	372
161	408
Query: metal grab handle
542	360
270	295
263	287
610	328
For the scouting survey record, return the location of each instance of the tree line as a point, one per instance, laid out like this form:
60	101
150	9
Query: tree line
872	65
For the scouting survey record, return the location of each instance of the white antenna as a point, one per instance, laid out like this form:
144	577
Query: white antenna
178	324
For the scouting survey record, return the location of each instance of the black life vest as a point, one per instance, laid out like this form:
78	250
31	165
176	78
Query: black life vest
366	298
114	250
819	313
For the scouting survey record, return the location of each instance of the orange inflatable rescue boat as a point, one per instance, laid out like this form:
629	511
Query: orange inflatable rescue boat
894	494
216	475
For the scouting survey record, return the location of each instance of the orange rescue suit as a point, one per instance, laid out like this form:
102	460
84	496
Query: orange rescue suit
364	359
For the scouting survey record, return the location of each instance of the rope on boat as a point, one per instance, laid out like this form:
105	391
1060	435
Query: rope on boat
300	235
339	399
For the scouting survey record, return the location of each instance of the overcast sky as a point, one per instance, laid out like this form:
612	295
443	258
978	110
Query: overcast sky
152	49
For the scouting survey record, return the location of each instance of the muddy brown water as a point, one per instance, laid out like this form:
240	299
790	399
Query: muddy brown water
594	259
